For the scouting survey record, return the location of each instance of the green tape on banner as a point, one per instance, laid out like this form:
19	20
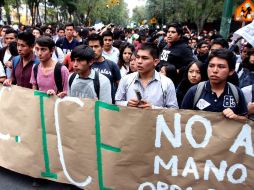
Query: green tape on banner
48	172
99	145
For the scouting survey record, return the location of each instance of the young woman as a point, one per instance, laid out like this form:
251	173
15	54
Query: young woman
247	73
170	72
133	64
194	74
126	51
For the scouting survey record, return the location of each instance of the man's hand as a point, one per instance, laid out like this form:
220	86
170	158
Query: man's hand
251	107
62	94
229	113
8	64
144	104
7	82
133	103
51	92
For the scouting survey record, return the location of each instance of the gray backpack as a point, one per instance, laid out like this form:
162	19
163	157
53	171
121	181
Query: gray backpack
201	86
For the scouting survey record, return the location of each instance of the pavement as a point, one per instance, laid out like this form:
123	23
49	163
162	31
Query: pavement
14	181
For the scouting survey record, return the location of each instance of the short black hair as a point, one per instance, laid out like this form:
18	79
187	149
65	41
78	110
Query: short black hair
68	24
107	33
82	52
152	48
45	41
11	31
178	27
220	41
201	42
95	37
37	28
27	37
224	54
61	28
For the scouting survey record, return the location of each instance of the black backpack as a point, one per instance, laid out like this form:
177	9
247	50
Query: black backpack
57	76
96	83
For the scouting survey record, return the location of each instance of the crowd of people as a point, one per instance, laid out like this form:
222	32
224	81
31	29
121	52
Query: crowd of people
143	68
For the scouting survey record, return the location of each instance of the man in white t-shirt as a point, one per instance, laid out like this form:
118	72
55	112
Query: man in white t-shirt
109	52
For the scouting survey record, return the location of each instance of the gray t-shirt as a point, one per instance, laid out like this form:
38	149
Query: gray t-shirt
84	87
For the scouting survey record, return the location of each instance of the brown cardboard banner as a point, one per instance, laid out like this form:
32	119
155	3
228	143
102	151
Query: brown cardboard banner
95	145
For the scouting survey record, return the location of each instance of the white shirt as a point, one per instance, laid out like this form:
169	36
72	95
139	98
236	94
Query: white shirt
113	55
160	91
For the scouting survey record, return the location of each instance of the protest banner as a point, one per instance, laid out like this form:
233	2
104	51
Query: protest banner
95	145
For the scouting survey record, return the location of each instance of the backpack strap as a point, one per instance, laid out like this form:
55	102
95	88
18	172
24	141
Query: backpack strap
58	77
56	52
35	70
252	91
234	91
15	62
198	92
96	83
72	77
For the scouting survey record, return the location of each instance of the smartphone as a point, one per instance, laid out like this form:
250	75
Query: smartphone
138	94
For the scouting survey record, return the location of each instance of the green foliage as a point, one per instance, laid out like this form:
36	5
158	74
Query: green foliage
139	14
197	11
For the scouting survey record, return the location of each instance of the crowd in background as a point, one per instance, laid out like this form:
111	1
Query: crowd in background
142	67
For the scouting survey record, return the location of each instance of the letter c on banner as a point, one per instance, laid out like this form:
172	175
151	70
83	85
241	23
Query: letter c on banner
59	141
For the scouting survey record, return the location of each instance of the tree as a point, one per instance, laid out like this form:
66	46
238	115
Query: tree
139	14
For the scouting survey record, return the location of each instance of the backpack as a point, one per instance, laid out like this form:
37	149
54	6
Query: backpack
57	76
201	86
96	83
16	60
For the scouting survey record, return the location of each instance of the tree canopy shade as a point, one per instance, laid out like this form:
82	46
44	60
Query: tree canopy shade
195	11
77	11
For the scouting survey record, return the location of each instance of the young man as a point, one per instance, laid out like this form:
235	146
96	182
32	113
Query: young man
68	43
202	51
217	95
146	88
85	82
177	51
23	63
109	52
102	65
59	35
5	53
48	76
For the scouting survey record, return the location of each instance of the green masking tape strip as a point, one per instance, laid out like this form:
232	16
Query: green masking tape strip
110	148
39	93
17	139
99	104
48	173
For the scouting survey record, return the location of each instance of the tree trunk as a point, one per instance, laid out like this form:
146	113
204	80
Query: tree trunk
18	15
45	14
7	11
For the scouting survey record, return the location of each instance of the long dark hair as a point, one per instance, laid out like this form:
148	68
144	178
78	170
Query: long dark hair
123	46
185	84
246	61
